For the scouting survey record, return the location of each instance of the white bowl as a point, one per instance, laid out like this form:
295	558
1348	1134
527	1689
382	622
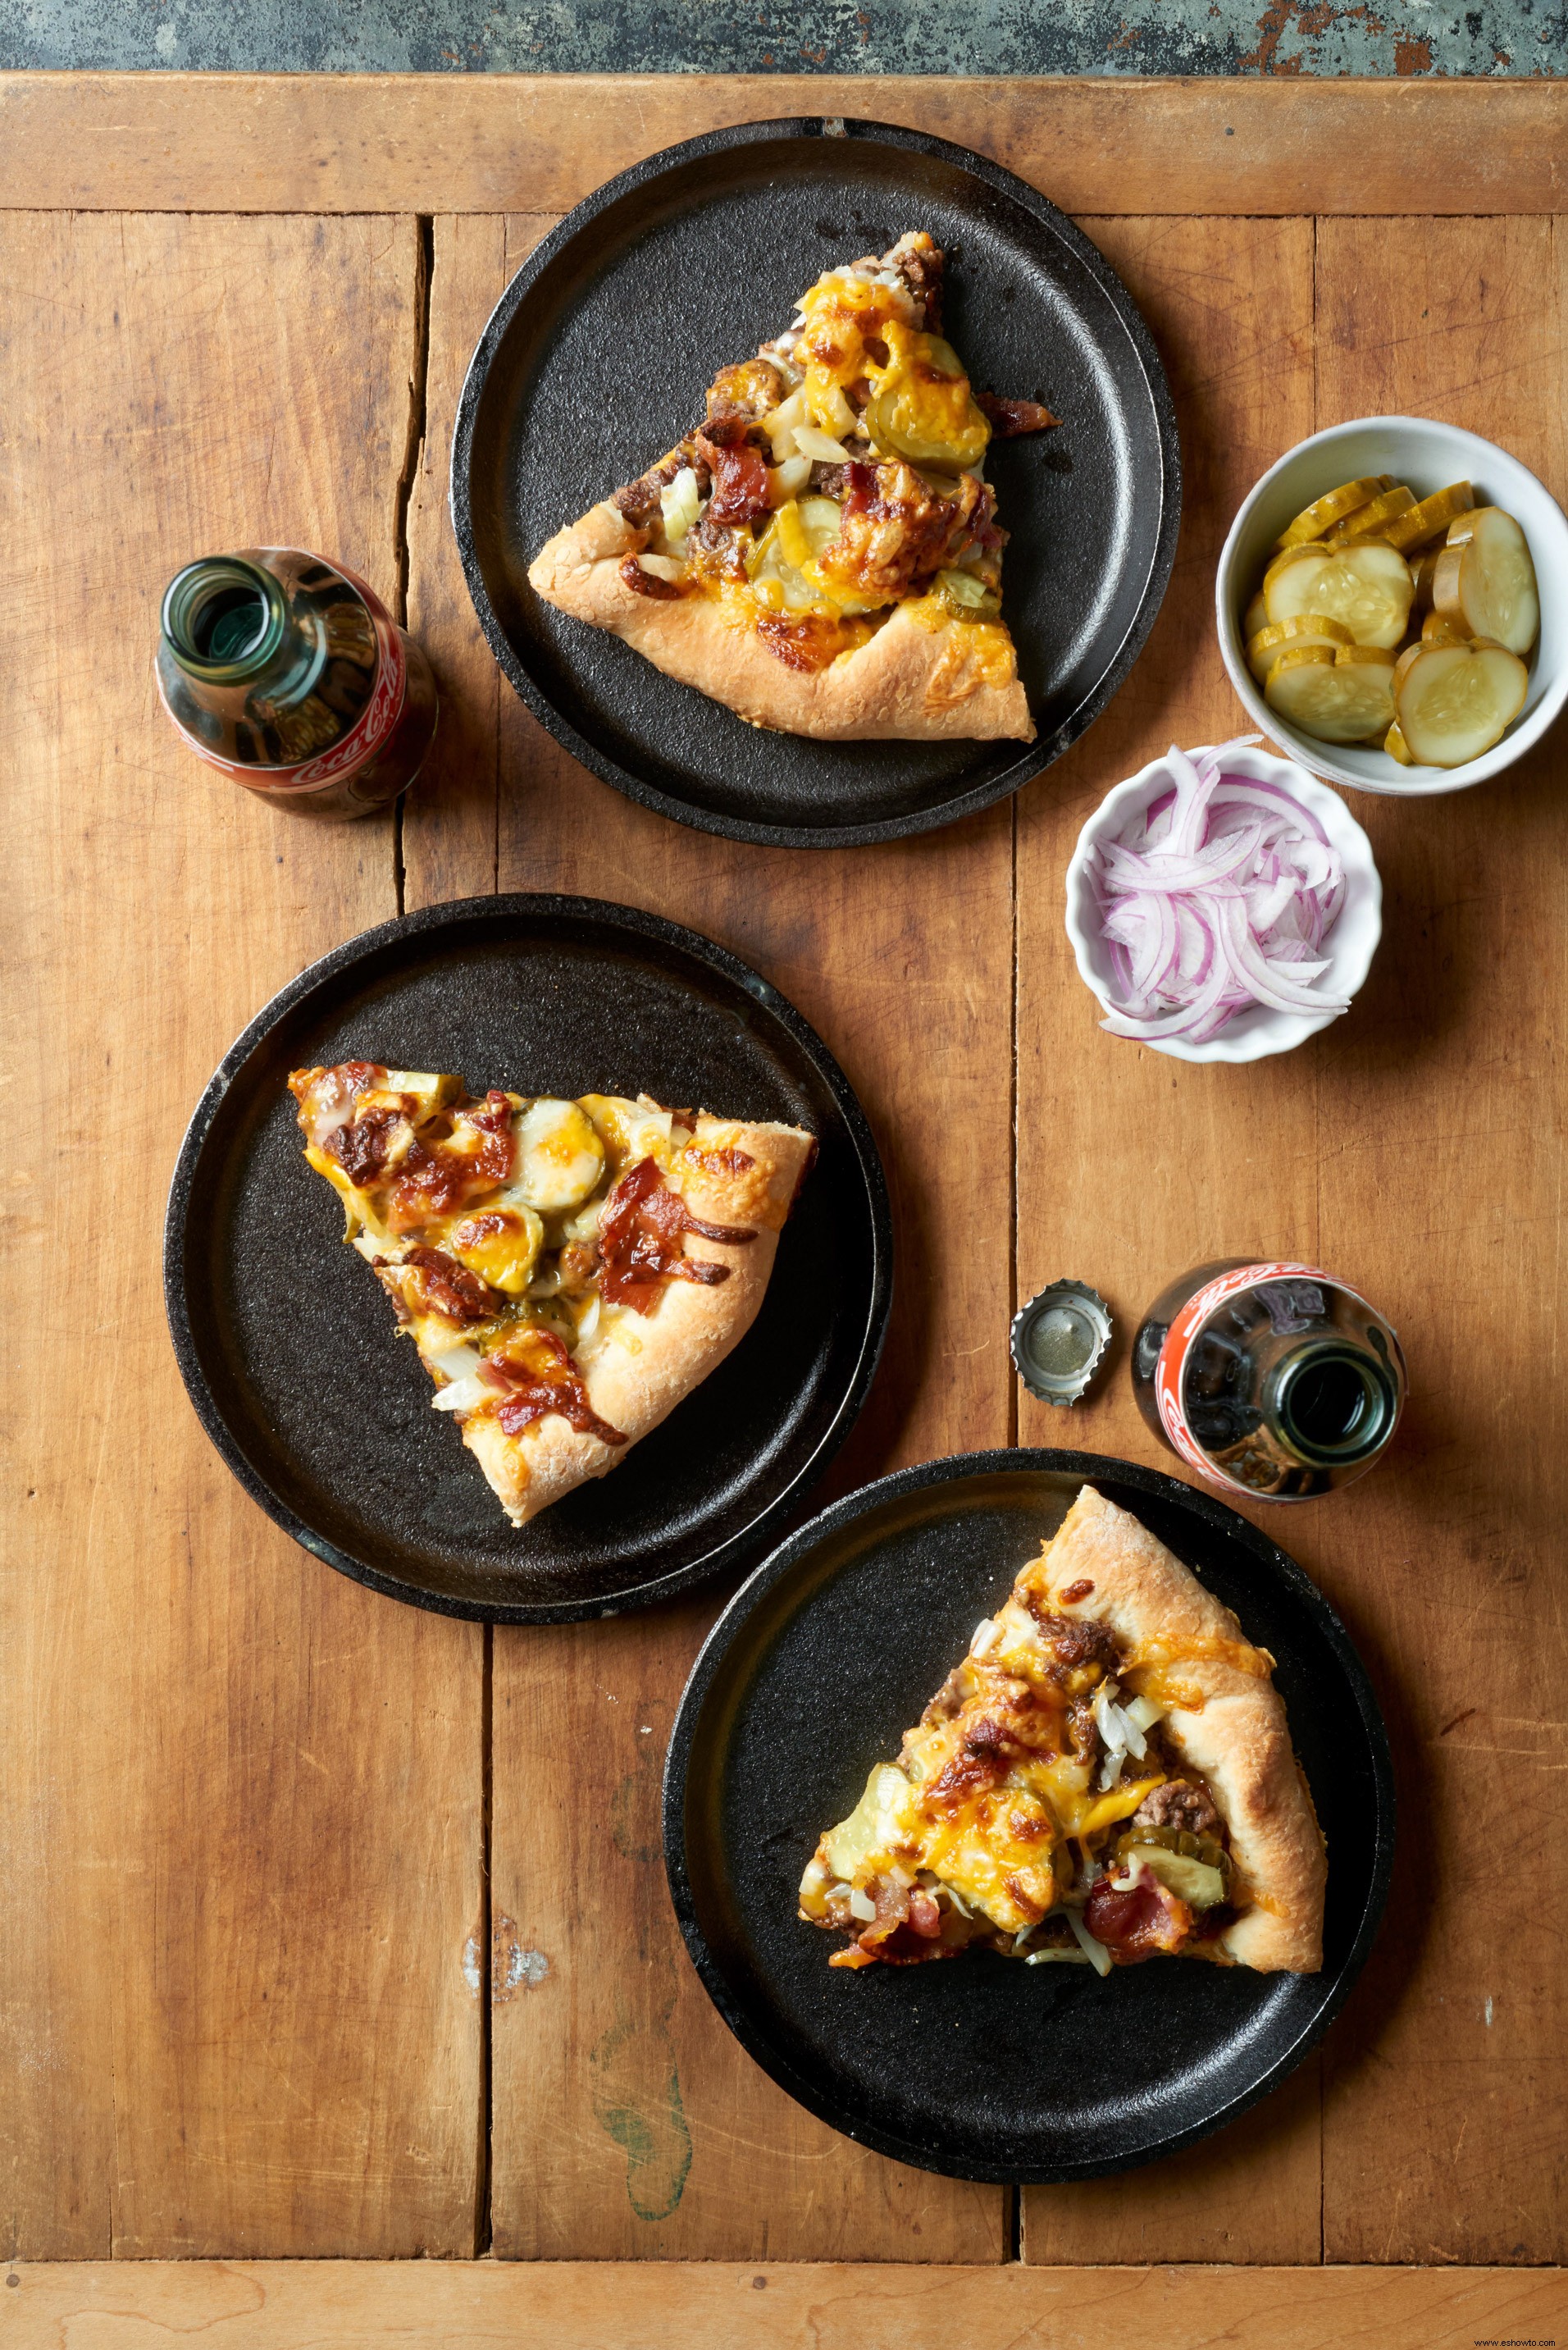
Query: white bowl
1350	945
1428	456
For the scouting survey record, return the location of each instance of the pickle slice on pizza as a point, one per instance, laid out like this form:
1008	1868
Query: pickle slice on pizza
1107	1777
568	1270
823	554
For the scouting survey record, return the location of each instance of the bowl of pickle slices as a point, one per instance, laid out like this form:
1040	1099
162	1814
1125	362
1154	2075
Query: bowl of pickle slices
1392	602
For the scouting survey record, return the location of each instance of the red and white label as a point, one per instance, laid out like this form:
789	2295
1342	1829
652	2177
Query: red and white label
364	738
1170	1370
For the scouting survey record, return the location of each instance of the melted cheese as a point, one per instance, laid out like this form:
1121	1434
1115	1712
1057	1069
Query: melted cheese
920	404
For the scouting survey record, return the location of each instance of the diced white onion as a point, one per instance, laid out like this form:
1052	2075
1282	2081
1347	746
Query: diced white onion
844	418
861	1906
457	1363
663	567
780	422
1058	1958
463	1395
1142	1712
1099	1957
788	480
590	1321
810	442
681	504
986	1633
956	1897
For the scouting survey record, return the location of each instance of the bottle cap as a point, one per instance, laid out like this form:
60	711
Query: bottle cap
1059	1340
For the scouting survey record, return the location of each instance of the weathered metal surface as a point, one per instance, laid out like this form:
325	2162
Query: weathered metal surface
871	37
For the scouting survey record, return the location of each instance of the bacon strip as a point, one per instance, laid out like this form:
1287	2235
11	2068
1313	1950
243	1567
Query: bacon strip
551	1383
449	1289
1133	1921
641	1233
740	482
1009	419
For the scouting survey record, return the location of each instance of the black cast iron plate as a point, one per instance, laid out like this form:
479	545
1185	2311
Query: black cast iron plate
288	1344
980	2067
595	361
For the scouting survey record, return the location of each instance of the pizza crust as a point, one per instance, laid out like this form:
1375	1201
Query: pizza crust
645	1364
908	682
1237	1735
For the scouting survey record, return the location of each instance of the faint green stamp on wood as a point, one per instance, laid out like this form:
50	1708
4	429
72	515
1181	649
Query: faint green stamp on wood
643	2114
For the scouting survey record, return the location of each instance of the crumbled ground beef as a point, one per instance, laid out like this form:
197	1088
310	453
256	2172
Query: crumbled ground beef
1178	1804
1075	1640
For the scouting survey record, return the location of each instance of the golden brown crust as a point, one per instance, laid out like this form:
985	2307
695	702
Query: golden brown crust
642	1366
1230	1724
908	682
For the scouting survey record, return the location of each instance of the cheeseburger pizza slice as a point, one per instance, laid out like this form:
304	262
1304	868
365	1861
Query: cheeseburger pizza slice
1107	1777
822	553
568	1270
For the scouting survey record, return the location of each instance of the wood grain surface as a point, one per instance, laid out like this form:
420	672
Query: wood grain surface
265	1833
718	2305
242	1797
516	142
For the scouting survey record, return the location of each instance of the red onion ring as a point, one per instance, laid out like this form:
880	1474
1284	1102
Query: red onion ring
1216	899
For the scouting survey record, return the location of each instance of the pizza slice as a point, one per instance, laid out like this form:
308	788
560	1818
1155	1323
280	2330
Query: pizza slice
568	1270
823	554
1107	1777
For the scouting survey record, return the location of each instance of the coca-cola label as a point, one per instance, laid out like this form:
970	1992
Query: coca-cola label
1169	1371
364	738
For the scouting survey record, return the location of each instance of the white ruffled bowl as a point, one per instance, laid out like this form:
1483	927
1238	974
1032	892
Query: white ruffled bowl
1349	946
1428	454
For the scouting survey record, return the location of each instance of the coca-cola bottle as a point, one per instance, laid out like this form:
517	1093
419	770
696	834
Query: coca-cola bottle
1270	1381
289	674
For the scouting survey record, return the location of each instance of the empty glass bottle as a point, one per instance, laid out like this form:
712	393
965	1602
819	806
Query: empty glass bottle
1271	1380
289	674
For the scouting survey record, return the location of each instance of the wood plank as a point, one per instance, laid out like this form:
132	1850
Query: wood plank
626	2119
241	1839
717	2305
1132	1166
499	143
1442	1190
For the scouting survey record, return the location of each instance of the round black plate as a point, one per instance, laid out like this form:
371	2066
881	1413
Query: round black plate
982	2068
596	362
288	1347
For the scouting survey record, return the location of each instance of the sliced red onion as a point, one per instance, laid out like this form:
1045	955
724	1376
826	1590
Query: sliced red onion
1216	899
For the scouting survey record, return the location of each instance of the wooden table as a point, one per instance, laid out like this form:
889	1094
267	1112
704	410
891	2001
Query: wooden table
315	1948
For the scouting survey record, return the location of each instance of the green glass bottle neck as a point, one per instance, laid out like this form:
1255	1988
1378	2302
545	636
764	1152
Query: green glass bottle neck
225	620
231	625
1333	1403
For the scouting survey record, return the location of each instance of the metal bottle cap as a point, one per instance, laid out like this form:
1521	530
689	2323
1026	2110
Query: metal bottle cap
1059	1340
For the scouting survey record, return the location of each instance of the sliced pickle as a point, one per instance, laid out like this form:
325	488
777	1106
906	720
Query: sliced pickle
1393	743
1283	557
1254	618
1265	647
1484	581
1368	520
1422	568
1431	518
1368	589
1454	702
1324	512
1196	1869
1436	630
1339	697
